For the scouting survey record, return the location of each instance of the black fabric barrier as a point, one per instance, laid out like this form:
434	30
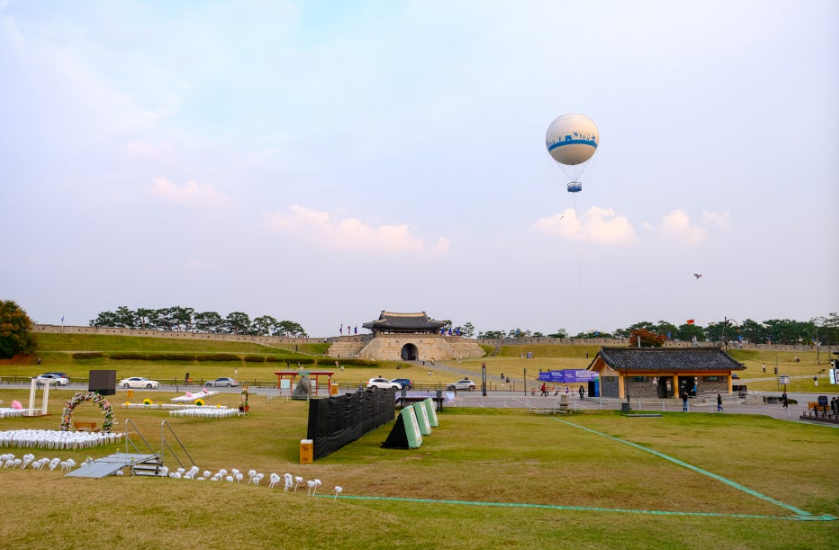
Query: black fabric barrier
397	439
336	421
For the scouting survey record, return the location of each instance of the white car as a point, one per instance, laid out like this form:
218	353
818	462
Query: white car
52	377
136	382
464	384
383	383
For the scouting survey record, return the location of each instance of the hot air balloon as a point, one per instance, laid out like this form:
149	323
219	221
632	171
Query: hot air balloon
571	141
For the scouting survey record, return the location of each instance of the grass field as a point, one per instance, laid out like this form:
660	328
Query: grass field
56	352
482	479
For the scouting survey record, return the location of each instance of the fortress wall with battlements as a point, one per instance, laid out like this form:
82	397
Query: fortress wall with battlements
363	338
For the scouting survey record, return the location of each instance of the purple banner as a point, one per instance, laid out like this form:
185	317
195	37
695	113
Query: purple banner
568	376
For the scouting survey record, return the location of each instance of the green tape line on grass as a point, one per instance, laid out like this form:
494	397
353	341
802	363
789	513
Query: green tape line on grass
805	514
582	508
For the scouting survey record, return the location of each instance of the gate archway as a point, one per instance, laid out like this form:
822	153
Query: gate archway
410	352
81	397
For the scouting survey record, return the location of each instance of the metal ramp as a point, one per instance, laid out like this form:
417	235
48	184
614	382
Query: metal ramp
106	466
142	463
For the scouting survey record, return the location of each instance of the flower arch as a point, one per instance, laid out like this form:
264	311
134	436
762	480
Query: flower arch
81	397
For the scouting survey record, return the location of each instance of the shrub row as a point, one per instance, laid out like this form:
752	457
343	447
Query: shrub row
87	355
219	357
255	358
296	360
128	356
170	357
356	363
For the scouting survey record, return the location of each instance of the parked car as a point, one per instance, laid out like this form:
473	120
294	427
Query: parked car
383	383
60	378
138	382
404	383
464	384
223	382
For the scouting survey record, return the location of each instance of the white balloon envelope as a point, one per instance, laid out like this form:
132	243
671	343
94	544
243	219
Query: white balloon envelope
572	139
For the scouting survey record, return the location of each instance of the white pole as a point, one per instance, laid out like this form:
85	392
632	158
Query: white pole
46	396
31	410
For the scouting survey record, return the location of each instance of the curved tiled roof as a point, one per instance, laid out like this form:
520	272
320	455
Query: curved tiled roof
665	359
389	321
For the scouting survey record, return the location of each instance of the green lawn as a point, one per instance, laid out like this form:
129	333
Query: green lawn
484	478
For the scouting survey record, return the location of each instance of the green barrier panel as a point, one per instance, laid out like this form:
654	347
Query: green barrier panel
422	418
412	431
432	412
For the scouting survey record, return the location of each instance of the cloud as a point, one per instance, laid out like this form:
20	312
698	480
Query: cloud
597	225
676	227
190	194
9	30
145	151
720	219
350	233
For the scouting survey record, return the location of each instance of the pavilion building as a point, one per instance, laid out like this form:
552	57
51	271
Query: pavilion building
663	372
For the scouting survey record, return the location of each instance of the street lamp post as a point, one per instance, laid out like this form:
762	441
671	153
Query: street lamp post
725	322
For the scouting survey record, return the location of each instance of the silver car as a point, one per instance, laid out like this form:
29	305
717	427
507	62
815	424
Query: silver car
464	384
222	383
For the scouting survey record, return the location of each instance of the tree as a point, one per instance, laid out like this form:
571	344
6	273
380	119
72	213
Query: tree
827	329
142	316
104	319
264	325
237	322
208	321
467	330
491	335
753	331
648	338
688	331
182	318
668	329
125	318
290	328
560	333
621	333
14	330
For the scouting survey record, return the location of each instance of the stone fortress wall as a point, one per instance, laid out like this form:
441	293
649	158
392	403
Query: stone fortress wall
350	346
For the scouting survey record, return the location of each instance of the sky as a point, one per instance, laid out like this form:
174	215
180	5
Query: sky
322	161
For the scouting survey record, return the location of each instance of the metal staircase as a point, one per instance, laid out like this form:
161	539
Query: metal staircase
143	462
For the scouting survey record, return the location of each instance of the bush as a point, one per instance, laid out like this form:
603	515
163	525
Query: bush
219	357
301	360
128	356
272	359
355	363
87	355
170	357
254	358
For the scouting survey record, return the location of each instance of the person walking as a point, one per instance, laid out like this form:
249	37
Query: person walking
684	401
785	400
544	390
582	391
719	403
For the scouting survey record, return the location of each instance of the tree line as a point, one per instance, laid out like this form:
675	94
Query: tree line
818	330
186	319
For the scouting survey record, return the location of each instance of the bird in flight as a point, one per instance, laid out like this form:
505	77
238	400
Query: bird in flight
697	275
